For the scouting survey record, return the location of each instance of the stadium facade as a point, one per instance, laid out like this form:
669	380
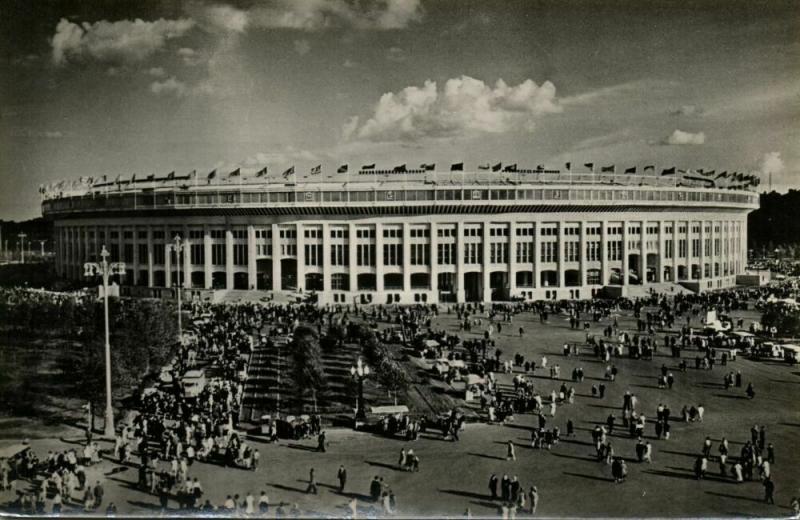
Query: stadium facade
470	237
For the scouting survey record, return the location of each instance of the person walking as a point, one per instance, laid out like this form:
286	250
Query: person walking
493	486
312	482
342	476
510	453
533	499
769	491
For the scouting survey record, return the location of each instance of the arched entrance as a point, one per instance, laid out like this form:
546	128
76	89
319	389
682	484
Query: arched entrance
473	287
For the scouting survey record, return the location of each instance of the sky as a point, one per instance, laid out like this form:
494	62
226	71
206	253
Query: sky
93	87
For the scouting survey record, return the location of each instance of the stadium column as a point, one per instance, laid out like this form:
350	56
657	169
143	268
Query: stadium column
582	253
187	259
702	258
624	270
604	253
560	282
675	251
251	257
208	277
643	254
460	294
353	254
150	279
135	278
712	253
433	278
167	258
301	257
661	255
326	260
378	256
406	256
228	258
512	258
537	255
276	258
486	286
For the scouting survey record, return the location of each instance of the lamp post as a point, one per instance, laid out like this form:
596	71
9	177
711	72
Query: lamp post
360	371
41	243
106	269
21	237
178	248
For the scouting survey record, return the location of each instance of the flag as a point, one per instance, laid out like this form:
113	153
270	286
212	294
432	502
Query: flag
589	165
457	167
192	175
497	167
151	177
722	175
211	175
539	167
484	166
262	172
401	168
568	166
650	167
630	170
288	173
510	168
171	176
428	167
708	173
668	171
368	166
234	173
316	170
342	169
607	169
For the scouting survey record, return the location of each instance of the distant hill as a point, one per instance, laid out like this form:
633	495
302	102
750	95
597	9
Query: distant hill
777	222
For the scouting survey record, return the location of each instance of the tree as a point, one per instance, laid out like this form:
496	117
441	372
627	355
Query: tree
308	371
393	377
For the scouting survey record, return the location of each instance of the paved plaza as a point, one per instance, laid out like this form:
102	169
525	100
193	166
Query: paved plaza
454	476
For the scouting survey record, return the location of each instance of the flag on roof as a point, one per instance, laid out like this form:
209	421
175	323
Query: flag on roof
399	168
589	165
497	167
484	166
316	170
368	166
342	169
708	173
234	173
151	177
170	176
288	173
607	169
211	174
722	175
262	172
428	167
668	171
650	167
568	166
457	167
192	175
510	168
630	170
539	167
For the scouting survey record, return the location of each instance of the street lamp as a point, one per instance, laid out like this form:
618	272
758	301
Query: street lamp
178	248
360	371
106	269
41	243
22	246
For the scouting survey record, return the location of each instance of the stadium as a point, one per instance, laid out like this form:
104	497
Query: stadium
407	237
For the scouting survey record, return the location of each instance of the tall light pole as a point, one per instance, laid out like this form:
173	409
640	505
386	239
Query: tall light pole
41	243
178	247
106	269
21	237
360	371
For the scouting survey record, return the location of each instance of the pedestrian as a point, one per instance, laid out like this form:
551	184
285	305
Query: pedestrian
312	482
403	459
493	486
342	476
510	454
321	442
769	491
98	494
533	499
263	503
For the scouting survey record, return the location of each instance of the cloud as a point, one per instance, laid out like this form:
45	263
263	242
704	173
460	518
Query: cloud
285	156
37	134
169	87
118	42
349	64
302	47
311	15
156	72
189	56
686	110
465	106
396	54
771	163
679	138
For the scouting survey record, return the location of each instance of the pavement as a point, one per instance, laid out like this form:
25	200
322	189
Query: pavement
453	476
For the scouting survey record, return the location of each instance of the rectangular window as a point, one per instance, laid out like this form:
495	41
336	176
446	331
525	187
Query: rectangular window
420	254
313	254
446	254
340	254
218	254
365	254
198	254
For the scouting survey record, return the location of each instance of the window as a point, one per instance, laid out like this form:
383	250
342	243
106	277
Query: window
289	249
365	233
197	254
549	252
669	248
127	251
158	254
572	251
446	254
420	254
525	252
615	250
240	254
498	252
365	254
594	251
420	232
218	254
142	253
695	247
473	253
313	254
340	254
393	254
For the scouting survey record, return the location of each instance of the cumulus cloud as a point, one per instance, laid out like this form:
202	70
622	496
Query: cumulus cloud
312	15
280	157
464	106
302	47
169	87
121	42
157	72
189	56
396	54
771	162
679	137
